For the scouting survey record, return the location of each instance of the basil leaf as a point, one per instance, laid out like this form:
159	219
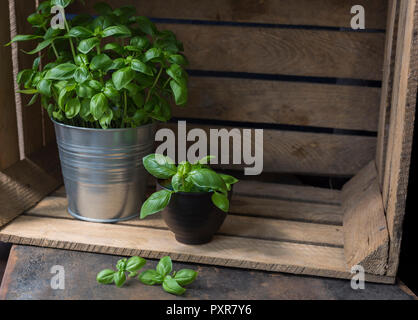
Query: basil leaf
23	37
152	53
176	182
180	93
170	285
114	47
86	45
229	180
159	166
81	75
85	109
33	100
42	45
135	263
185	276
151	277
96	85
61	72
155	203
178	74
80	32
140	42
121	264
206	160
116	31
106	119
178	59
164	266
146	26
221	201
72	108
44	87
98	105
84	91
105	276
139	66
207	178
119	278
101	62
123	77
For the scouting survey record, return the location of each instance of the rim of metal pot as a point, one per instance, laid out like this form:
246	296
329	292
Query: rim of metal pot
185	193
102	130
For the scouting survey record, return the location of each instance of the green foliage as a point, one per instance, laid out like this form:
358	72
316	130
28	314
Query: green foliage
123	266
172	282
185	177
129	69
163	274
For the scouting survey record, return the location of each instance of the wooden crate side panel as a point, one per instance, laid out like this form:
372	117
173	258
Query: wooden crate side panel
21	186
227	251
9	153
282	51
31	116
293	103
387	86
401	127
328	13
366	239
302	152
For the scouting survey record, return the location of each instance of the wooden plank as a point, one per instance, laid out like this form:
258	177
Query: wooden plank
153	243
235	225
401	127
8	125
366	239
21	186
295	103
295	12
387	86
32	116
302	152
282	51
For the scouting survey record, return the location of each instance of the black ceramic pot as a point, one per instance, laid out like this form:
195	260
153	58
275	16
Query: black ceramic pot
192	217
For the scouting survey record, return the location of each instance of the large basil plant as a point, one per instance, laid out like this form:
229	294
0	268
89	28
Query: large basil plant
114	70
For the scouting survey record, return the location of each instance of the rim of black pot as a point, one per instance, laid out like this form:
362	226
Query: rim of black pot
182	192
102	130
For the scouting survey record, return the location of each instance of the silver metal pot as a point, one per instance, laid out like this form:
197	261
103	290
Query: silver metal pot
103	172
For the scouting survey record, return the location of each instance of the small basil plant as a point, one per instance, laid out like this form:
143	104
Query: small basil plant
171	281
185	177
112	70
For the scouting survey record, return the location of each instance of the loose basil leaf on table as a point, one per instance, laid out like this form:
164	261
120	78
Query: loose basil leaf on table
151	277
170	285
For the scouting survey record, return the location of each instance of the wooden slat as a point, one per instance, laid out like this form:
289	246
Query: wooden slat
21	186
295	103
235	225
282	51
9	153
295	12
313	153
31	116
387	86
153	243
401	127
366	239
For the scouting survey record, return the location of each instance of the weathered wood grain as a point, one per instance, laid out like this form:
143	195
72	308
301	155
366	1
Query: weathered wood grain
294	103
401	127
296	12
31	116
282	51
153	243
235	225
21	186
302	152
366	239
9	153
387	86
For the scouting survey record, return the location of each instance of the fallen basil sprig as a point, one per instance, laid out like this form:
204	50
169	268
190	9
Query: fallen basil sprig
123	266
172	283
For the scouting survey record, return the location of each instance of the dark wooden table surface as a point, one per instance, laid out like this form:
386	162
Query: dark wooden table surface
28	276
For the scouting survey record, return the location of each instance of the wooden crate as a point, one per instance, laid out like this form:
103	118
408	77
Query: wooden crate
333	102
